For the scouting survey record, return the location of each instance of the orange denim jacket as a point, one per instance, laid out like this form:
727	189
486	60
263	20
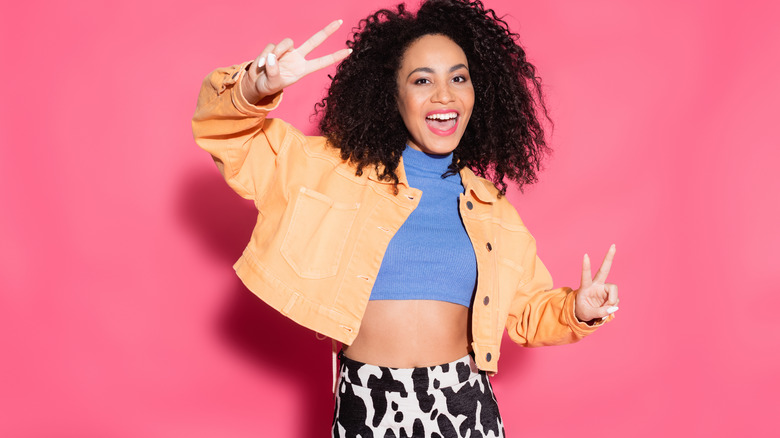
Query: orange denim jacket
322	231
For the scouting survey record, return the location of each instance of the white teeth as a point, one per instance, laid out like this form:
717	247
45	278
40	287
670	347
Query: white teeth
447	116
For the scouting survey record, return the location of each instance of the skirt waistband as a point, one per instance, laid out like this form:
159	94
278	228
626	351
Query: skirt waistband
407	379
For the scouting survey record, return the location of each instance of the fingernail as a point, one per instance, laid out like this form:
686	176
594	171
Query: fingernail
611	310
341	22
350	51
271	59
261	62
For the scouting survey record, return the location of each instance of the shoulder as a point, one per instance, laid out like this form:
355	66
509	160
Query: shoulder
301	146
311	160
502	211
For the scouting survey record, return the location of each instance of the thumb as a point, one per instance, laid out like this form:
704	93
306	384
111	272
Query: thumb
604	311
272	80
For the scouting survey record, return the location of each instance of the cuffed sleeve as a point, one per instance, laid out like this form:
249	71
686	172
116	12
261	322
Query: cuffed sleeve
540	315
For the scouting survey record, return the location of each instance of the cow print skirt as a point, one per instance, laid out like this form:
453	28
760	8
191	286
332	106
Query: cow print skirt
453	400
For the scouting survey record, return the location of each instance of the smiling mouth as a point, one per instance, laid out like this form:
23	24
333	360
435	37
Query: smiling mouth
442	123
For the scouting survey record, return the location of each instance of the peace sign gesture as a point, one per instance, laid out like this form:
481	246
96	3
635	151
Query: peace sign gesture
595	297
282	65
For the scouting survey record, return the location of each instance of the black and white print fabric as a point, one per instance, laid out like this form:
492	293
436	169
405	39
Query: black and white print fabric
453	400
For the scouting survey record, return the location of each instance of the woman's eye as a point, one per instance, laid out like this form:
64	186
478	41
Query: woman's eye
421	81
459	79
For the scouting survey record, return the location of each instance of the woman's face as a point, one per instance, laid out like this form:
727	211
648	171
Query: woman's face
435	94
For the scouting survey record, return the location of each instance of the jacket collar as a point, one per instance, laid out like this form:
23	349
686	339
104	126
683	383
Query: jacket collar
483	189
480	187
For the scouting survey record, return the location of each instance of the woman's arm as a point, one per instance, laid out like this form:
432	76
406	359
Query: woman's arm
540	315
242	142
230	120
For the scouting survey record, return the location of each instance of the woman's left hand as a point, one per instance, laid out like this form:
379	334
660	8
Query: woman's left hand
596	298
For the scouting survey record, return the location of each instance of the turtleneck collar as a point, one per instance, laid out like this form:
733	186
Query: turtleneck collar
422	163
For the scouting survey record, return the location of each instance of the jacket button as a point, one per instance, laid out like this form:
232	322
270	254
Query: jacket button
469	205
486	300
488	357
489	246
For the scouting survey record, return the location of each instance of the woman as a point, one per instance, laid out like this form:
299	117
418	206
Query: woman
380	234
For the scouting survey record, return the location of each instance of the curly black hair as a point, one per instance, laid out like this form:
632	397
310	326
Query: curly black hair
504	138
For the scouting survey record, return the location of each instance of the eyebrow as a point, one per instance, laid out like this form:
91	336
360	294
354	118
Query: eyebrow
430	70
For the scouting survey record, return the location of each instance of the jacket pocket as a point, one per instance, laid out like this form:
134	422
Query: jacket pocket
317	234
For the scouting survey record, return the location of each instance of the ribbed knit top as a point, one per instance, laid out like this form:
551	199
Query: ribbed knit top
430	257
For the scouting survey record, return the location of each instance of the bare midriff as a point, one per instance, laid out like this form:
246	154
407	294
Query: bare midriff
411	333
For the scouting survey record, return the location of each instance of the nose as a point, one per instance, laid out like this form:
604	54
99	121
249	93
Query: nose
442	93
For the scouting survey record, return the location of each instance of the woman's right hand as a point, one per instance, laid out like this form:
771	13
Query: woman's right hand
281	65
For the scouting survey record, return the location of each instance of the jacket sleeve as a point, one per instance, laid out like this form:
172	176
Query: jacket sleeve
540	315
244	144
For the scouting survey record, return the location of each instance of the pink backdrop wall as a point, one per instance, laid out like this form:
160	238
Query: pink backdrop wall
120	313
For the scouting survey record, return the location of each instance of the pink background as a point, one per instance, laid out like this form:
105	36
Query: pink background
121	316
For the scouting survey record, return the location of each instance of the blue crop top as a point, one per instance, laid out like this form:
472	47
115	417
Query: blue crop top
430	257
